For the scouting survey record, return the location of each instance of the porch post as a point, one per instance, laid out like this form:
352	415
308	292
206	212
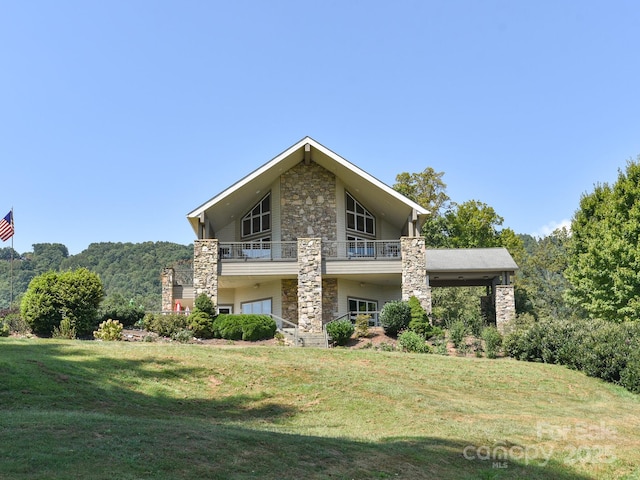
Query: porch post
310	284
205	268
415	281
167	289
505	306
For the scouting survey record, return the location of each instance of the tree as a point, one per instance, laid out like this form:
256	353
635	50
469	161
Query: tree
472	224
425	188
604	251
52	297
541	281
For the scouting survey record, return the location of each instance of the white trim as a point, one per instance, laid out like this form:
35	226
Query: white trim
272	163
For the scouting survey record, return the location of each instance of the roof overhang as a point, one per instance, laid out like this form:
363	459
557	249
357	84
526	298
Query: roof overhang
394	207
469	266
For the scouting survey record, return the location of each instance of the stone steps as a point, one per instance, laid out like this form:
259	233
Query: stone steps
305	339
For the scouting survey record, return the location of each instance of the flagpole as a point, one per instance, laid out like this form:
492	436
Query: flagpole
11	263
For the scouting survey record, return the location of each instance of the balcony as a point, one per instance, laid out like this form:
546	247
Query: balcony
361	250
331	250
258	251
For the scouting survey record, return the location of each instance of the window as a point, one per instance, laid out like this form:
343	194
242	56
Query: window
225	309
358	218
360	247
363	306
258	220
257	306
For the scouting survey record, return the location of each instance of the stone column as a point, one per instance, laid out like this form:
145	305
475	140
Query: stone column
205	268
414	271
505	306
167	289
310	284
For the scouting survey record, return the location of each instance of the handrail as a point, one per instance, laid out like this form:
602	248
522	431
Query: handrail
252	251
281	321
362	249
351	316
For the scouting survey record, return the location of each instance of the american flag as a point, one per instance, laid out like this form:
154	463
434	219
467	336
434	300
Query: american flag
6	227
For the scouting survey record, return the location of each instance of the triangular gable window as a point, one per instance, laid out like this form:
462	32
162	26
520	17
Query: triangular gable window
359	219
258	220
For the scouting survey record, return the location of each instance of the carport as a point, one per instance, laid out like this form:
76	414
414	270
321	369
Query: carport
493	268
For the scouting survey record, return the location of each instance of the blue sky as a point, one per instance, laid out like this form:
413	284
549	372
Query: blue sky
117	118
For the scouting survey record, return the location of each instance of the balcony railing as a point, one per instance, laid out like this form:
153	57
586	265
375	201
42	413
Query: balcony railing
362	249
250	251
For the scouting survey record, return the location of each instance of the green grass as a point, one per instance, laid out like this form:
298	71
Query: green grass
106	410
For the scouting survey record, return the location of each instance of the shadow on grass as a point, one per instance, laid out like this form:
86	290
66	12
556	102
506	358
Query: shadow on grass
68	416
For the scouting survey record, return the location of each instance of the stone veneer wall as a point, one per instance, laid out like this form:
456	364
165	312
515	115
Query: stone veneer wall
310	284
308	203
505	306
167	289
414	271
205	268
290	300
329	299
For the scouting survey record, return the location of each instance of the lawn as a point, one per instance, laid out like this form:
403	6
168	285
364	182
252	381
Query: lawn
125	410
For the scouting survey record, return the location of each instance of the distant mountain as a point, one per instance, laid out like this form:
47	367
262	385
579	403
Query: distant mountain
130	269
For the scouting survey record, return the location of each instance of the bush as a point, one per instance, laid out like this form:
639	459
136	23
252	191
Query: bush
201	324
599	348
182	336
457	333
340	331
65	330
244	327
362	325
492	341
109	330
115	307
53	296
5	330
395	316
412	342
164	325
204	304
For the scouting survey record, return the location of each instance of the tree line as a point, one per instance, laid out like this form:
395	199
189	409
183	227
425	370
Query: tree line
127	270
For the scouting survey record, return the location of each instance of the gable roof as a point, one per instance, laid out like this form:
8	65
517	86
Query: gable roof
379	197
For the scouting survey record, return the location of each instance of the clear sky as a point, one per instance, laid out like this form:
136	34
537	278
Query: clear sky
118	117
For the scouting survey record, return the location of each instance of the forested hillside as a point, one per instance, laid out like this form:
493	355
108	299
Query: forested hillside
130	269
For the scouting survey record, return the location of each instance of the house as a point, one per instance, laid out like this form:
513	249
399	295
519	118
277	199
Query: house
309	237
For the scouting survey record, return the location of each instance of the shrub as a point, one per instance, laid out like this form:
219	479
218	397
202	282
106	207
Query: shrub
227	326
5	330
630	375
244	327
164	325
182	336
340	331
457	333
109	330
412	342
492	341
201	324
362	325
258	327
395	316
52	296
65	330
204	304
127	315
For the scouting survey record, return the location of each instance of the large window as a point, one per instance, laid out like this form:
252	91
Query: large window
362	306
257	306
359	219
258	220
